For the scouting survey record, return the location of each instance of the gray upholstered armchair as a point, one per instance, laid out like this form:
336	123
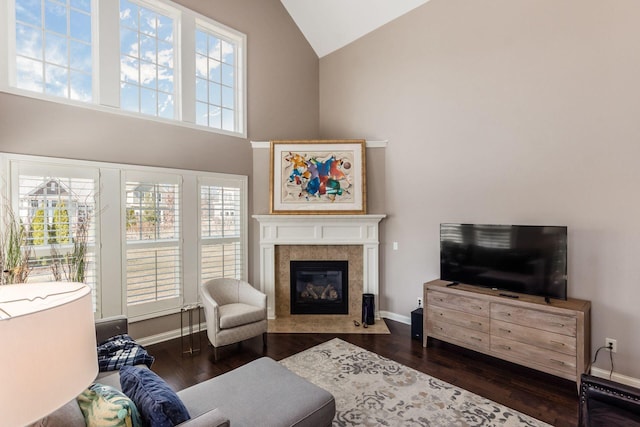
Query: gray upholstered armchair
234	311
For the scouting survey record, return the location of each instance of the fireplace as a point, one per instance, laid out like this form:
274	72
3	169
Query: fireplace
287	237
319	287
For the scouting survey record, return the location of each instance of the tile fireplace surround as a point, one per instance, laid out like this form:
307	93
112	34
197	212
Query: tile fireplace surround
318	230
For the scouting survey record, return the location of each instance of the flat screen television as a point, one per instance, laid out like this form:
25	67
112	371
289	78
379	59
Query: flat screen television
528	259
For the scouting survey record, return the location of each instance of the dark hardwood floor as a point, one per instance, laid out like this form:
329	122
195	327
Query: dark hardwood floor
542	396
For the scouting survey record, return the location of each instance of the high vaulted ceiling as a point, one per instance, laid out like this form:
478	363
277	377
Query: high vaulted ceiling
329	25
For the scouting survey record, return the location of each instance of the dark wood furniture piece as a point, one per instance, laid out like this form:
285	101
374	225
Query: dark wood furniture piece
605	403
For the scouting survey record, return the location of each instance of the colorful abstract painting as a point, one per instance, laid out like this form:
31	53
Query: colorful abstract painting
318	176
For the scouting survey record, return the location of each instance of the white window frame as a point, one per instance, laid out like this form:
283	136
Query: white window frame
238	66
16	167
233	181
111	216
161	8
167	304
106	63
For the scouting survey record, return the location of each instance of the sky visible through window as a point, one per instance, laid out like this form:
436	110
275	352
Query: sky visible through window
215	82
146	61
53	47
74	50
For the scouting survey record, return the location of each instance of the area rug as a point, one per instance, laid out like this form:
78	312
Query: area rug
371	390
323	324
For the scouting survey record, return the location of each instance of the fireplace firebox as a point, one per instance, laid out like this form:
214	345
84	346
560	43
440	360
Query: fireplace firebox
319	287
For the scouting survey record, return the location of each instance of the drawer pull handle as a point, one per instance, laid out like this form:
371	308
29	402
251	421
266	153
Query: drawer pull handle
476	307
559	362
476	338
560	325
506	347
505	330
473	322
507	314
557	343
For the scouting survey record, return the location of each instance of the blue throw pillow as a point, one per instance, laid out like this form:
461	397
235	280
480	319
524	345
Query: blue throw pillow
158	404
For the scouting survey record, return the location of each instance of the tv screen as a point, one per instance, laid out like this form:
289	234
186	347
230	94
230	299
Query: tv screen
528	259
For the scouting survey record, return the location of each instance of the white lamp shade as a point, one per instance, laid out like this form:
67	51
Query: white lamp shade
48	354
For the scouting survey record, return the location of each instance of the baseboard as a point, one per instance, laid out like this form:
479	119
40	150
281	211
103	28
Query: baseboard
168	335
623	379
397	317
175	333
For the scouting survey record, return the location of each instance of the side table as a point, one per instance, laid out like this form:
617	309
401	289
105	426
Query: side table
189	310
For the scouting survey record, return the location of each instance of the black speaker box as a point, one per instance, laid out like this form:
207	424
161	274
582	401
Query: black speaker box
416	324
368	309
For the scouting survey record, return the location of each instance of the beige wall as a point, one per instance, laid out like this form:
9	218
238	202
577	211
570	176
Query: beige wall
504	111
282	103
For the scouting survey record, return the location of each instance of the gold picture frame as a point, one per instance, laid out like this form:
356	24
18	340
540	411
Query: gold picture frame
318	177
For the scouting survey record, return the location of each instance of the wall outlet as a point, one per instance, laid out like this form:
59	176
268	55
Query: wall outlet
419	302
614	344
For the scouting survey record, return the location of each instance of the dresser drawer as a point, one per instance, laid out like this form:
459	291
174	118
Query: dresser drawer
531	355
524	334
557	323
467	304
468	338
459	318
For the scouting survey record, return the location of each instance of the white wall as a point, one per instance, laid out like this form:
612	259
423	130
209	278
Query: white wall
502	111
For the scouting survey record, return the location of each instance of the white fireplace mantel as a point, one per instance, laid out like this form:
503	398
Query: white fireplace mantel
318	230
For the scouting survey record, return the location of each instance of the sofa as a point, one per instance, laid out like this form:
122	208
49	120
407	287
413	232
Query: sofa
262	392
605	403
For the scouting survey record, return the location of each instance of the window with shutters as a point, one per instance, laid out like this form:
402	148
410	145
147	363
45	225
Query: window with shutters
153	254
151	235
56	209
222	224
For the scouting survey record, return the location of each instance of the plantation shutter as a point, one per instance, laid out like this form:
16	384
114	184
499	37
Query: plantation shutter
222	228
55	207
153	243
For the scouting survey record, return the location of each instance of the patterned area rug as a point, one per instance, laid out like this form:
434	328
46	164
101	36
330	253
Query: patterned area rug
371	390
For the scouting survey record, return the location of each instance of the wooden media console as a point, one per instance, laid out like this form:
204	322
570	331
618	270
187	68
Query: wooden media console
553	337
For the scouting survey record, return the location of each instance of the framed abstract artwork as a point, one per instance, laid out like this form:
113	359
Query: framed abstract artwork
318	177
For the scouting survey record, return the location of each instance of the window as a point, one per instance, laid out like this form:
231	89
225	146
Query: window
54	47
147	55
221	229
56	211
153	258
216	71
152	234
154	59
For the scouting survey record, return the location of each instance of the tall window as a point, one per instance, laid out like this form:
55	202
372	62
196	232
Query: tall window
222	220
147	56
216	87
153	259
54	47
57	221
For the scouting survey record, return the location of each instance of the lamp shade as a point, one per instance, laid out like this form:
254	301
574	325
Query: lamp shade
48	354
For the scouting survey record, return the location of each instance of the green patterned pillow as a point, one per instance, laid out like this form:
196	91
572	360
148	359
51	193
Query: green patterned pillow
105	406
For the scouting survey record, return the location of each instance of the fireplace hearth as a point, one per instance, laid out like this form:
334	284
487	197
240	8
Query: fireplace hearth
319	287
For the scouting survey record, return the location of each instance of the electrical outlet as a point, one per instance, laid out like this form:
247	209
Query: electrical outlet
419	302
614	344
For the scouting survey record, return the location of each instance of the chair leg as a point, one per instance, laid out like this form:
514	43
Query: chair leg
215	353
264	340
